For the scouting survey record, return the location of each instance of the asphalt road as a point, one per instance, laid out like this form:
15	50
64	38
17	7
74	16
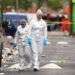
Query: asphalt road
57	59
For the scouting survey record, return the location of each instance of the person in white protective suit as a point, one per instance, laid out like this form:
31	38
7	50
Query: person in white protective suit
38	38
22	44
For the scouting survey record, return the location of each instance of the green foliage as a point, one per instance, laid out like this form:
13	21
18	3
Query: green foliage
25	4
38	2
9	3
54	4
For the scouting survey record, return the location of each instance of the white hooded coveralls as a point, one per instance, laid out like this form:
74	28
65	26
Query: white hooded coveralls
38	33
22	43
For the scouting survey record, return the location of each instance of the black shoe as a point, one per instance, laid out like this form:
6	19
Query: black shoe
35	69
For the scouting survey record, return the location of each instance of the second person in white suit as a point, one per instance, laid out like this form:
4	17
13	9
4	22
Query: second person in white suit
21	39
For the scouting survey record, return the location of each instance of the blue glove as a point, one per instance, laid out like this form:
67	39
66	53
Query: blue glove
30	41
45	41
14	45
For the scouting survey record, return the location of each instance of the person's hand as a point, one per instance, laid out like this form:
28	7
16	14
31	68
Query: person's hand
46	41
14	45
29	41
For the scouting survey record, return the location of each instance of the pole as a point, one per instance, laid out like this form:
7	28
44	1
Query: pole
1	4
73	17
17	4
1	47
1	42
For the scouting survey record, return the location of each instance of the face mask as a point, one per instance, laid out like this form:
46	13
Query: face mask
23	25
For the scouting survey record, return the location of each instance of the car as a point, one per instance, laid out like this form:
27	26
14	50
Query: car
11	20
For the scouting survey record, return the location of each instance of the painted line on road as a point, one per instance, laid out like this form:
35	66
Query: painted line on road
14	66
62	42
61	61
51	66
2	73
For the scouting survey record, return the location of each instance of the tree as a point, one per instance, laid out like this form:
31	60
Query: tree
9	3
38	2
54	4
25	4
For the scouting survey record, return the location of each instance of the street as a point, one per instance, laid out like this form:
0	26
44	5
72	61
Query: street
58	58
23	28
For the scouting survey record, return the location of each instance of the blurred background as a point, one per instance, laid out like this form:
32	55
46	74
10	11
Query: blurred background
53	11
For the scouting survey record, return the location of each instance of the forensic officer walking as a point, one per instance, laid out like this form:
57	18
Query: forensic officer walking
39	38
22	43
